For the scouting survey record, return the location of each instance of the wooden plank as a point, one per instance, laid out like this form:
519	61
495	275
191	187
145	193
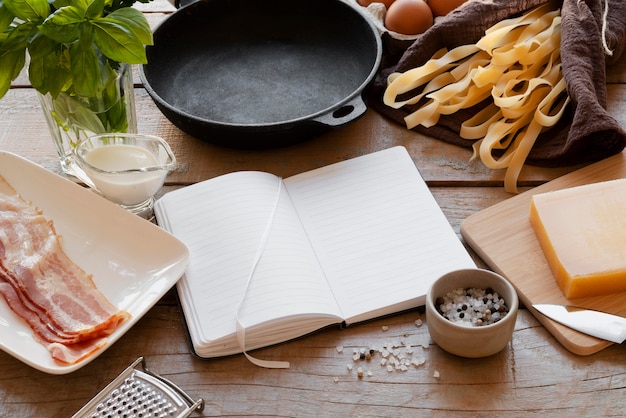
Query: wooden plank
440	163
319	382
155	6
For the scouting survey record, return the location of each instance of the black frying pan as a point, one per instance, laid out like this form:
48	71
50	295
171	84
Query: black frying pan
261	73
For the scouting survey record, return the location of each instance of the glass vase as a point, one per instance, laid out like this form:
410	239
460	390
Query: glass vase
71	117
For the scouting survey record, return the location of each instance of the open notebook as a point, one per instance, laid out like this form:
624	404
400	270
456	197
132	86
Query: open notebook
340	244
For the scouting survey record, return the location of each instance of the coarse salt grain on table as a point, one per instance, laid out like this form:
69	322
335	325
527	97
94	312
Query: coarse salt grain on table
472	307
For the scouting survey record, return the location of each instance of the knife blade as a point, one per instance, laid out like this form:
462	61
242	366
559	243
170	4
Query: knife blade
595	323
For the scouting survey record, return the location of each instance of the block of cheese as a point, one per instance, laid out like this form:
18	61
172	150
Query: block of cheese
582	232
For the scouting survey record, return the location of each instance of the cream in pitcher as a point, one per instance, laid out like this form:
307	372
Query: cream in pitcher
127	169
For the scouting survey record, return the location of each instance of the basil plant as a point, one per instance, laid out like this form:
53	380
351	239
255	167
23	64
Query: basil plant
74	48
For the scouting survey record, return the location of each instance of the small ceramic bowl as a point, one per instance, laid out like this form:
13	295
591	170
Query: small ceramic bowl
468	340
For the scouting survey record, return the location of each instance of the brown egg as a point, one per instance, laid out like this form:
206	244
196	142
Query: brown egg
409	17
366	3
443	7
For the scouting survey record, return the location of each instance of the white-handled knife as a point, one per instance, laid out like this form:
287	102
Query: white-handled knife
595	323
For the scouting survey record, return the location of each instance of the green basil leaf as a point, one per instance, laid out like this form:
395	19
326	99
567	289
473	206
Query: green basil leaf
80	4
85	70
33	10
73	112
134	21
41	46
48	70
119	42
11	64
17	38
57	4
95	9
37	73
63	25
47	75
57	78
114	119
6	17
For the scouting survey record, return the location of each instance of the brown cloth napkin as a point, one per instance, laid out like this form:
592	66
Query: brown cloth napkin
586	133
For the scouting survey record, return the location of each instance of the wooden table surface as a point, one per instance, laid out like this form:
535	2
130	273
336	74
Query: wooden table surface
534	375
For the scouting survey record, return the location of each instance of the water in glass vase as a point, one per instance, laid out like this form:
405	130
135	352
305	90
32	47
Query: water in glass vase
72	118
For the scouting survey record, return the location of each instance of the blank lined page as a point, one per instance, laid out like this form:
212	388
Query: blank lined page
222	221
378	233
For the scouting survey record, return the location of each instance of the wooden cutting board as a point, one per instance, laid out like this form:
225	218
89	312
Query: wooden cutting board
504	239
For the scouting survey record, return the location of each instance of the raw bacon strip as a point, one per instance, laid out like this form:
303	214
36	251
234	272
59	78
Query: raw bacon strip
74	353
40	283
20	278
30	266
47	334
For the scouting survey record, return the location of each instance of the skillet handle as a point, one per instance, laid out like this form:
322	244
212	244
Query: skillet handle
345	114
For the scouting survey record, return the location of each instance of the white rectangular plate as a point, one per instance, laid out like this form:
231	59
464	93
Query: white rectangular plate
133	262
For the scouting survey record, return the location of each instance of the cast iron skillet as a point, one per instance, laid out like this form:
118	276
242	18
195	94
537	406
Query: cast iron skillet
261	73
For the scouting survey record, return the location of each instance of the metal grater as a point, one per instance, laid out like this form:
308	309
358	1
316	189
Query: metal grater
140	393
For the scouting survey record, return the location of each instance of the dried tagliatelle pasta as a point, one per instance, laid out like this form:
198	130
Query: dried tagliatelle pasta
516	65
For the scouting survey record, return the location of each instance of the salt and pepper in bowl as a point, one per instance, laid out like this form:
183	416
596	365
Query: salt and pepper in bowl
471	312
